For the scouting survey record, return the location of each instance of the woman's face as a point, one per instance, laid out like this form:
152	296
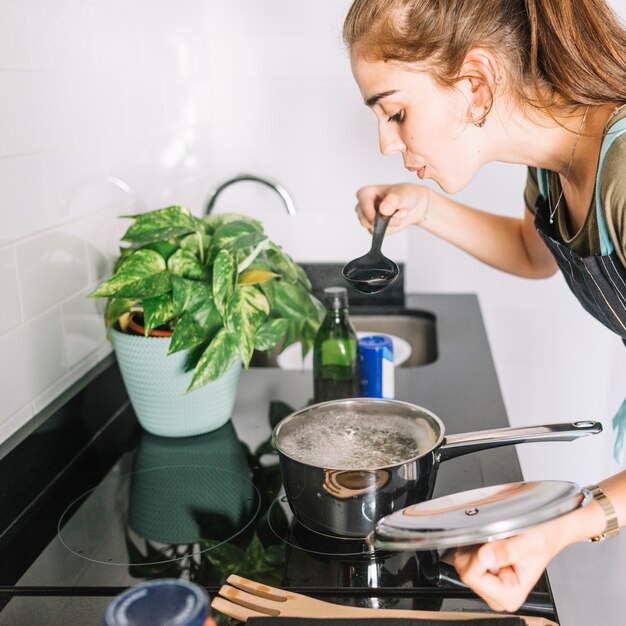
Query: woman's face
427	124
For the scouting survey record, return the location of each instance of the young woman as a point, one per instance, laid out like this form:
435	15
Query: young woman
457	84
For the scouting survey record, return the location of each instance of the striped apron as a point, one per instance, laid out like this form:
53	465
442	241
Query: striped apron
599	281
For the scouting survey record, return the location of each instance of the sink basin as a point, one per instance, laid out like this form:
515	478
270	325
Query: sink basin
416	327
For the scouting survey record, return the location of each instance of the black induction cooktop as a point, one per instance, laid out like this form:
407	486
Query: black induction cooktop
95	504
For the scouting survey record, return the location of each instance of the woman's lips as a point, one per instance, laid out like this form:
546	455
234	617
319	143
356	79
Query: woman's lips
420	171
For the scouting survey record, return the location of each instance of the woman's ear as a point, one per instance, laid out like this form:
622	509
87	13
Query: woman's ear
479	79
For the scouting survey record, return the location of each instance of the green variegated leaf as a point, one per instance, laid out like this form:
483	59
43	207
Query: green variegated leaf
278	411
187	334
243	242
209	318
164	248
294	331
261	264
157	311
142	274
124	254
303	279
184	263
255	277
293	301
162	224
198	244
320	308
270	334
227	236
247	310
254	299
283	263
193	355
309	330
189	295
270	293
246	257
146	287
216	359
226	557
215	222
255	555
115	308
224	280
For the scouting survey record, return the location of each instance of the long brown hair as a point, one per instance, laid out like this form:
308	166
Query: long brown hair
559	54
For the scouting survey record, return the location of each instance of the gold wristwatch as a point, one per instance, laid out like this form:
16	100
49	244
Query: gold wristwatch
612	525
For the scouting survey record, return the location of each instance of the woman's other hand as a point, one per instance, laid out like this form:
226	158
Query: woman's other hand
504	572
407	203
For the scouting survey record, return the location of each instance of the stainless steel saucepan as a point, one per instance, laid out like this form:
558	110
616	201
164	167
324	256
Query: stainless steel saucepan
348	501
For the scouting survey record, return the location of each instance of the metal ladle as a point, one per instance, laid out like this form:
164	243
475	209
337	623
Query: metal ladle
373	271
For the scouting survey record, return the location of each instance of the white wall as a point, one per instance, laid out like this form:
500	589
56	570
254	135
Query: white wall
104	107
173	98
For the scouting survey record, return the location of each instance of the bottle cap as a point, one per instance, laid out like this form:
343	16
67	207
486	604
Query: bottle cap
336	297
159	602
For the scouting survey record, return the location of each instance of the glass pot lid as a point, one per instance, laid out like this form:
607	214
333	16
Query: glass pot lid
477	515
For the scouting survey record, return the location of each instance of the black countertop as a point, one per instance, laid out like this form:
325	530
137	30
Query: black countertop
91	429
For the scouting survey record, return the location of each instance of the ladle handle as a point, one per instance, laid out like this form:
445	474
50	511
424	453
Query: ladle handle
380	226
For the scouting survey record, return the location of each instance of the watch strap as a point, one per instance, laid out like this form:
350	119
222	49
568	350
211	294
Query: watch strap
612	524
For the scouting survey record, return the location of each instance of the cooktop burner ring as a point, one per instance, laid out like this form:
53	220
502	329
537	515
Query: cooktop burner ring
365	552
125	481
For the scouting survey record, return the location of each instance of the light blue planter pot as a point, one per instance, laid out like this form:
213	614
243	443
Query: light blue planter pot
156	385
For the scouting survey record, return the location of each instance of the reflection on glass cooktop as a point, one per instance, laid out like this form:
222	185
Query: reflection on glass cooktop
202	508
189	507
316	560
162	514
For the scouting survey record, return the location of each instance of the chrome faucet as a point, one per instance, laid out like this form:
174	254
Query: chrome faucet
279	189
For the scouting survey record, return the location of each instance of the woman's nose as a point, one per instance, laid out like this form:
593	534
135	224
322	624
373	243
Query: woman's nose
389	141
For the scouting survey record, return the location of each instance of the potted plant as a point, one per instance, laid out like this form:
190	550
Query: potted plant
189	302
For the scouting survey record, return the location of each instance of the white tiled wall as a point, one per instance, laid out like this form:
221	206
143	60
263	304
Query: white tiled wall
104	110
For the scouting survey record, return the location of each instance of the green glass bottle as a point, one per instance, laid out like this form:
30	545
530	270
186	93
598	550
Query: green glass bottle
335	350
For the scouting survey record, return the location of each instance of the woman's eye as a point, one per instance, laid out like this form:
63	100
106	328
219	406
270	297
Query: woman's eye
397	118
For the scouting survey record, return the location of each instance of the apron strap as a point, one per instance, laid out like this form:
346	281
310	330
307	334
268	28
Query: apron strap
606	245
619	128
542	181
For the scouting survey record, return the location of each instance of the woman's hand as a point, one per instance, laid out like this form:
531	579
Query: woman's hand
504	572
407	203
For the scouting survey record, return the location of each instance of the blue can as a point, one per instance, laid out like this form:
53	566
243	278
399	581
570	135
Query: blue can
159	602
377	368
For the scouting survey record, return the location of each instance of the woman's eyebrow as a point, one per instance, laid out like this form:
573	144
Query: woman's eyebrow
374	99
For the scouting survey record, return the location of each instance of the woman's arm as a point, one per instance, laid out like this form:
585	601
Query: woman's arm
508	244
504	572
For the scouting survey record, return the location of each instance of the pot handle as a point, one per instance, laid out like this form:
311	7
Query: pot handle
464	443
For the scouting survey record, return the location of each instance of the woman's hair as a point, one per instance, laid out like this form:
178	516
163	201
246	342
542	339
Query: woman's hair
558	54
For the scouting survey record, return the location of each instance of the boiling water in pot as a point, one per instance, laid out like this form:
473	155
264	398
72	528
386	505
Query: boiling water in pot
340	440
